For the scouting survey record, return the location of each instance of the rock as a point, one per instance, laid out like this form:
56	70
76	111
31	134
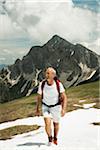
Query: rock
75	64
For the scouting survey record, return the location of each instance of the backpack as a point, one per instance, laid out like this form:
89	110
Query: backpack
58	89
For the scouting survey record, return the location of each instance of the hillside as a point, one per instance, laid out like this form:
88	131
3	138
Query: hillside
25	107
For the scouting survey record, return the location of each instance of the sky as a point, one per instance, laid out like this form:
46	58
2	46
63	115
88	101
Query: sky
26	23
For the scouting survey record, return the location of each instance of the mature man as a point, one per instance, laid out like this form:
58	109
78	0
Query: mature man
52	95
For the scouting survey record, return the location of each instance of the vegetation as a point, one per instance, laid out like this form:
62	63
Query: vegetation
88	93
26	106
12	131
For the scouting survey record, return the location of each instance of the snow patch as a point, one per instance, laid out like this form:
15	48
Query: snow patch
24	86
13	82
76	133
29	92
91	74
72	53
84	67
36	78
85	106
55	41
26	121
76	105
8	76
87	72
81	101
58	60
88	105
35	82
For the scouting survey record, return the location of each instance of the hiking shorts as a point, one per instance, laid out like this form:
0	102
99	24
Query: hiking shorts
52	112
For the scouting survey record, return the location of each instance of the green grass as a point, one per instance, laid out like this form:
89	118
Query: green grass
12	131
19	108
26	106
88	92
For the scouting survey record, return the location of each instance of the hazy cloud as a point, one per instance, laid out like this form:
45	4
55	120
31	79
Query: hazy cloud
39	21
31	20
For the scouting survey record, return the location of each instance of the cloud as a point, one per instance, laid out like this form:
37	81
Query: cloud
39	21
29	21
8	56
7	51
10	29
45	19
2	58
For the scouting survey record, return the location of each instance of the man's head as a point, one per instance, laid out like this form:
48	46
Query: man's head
50	73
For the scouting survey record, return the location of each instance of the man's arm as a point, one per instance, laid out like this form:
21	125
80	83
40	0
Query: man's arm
64	103
39	100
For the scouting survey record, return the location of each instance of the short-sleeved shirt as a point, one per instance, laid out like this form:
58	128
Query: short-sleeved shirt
50	93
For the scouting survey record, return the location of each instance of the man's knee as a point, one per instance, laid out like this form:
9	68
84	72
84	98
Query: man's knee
47	121
56	124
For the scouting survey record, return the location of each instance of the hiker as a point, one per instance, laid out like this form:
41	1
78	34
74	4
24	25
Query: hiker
51	94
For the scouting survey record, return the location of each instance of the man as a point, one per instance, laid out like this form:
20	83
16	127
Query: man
54	103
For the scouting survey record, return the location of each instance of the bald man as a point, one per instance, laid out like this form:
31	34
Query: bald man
49	95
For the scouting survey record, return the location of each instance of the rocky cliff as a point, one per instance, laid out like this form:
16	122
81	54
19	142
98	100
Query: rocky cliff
75	64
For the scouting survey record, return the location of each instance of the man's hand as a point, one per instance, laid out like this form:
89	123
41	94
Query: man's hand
63	112
37	113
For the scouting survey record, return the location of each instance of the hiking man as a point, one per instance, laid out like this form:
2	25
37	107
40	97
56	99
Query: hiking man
52	95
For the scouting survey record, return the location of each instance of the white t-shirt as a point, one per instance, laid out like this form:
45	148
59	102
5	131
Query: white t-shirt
50	92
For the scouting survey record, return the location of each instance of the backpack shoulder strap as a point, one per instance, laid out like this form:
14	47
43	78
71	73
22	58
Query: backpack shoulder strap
58	89
60	100
58	85
42	86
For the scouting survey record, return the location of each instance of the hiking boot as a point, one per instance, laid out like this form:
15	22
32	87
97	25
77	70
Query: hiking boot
50	141
55	141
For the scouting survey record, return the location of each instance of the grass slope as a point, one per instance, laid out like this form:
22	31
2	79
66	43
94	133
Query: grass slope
25	107
12	131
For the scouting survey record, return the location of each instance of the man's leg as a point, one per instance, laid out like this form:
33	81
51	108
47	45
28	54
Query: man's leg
56	129
56	113
48	129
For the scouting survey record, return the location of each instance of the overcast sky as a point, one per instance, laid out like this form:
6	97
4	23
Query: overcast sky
25	23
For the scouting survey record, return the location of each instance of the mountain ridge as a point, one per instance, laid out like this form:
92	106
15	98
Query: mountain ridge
75	64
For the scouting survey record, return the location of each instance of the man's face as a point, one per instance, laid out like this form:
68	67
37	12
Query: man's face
49	74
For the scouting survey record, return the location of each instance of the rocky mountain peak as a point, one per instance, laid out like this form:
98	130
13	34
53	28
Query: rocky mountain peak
57	41
75	64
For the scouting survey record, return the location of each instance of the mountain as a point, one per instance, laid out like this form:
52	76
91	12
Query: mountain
75	64
2	66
